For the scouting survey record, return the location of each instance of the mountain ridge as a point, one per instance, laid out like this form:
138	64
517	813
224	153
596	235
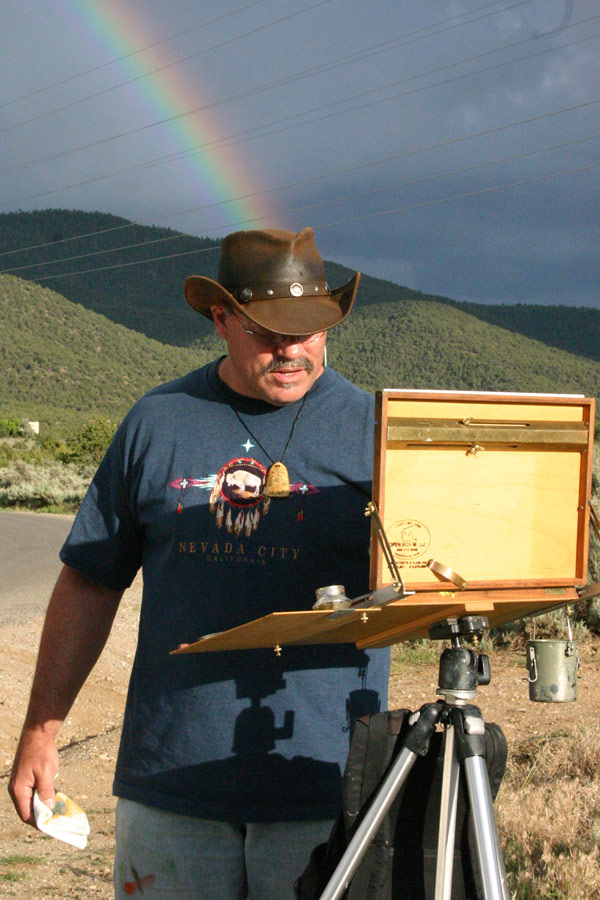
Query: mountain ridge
141	286
63	363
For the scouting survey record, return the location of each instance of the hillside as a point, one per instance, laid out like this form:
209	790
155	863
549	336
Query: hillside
574	329
147	296
433	345
144	291
62	363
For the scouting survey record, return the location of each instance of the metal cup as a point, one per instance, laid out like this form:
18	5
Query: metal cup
553	667
332	597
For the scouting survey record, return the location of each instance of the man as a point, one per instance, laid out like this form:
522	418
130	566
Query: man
239	489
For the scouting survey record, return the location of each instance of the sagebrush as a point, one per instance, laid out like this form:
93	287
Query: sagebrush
23	484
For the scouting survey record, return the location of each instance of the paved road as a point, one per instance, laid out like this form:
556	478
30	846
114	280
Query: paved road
29	563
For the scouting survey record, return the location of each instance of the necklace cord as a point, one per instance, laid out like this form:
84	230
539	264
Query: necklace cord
245	426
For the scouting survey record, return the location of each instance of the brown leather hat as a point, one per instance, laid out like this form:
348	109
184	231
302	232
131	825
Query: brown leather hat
277	280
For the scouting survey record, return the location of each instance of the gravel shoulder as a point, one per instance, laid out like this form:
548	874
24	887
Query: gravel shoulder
33	865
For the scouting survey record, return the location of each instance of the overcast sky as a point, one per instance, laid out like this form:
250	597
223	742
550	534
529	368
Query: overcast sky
448	145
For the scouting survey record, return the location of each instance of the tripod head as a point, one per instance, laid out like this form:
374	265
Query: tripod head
461	670
457	629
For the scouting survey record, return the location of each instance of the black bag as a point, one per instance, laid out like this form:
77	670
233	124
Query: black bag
400	863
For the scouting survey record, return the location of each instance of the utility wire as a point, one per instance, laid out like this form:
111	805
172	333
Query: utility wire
326	202
118	59
345	221
175	62
183	59
344	171
259	131
331	174
323	67
467	194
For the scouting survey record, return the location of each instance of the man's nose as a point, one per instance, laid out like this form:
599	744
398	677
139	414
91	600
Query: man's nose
288	345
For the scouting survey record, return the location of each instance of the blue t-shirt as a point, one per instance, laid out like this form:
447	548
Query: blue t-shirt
238	735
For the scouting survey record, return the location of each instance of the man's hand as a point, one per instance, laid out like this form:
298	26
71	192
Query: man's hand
34	769
78	621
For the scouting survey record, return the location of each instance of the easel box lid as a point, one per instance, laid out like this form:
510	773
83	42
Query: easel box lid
492	486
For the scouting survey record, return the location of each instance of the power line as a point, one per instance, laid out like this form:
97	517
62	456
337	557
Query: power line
114	87
323	67
118	59
345	221
247	134
345	171
326	202
164	41
376	162
228	141
464	196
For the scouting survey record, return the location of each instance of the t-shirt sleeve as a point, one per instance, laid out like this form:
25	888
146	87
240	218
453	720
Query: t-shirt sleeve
106	540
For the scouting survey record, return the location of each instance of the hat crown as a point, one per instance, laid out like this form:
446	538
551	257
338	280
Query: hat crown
259	258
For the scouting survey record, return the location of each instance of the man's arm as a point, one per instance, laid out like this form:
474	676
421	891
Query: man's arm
78	621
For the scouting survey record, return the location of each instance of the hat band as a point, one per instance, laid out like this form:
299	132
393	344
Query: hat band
279	291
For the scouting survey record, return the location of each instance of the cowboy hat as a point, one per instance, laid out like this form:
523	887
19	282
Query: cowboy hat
277	280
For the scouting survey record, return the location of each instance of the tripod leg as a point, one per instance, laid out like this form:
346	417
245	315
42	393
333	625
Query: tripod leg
447	829
416	744
470	737
489	852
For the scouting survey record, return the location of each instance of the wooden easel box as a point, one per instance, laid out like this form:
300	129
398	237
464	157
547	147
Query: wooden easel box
493	486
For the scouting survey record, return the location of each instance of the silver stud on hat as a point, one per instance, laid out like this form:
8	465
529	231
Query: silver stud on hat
296	290
245	295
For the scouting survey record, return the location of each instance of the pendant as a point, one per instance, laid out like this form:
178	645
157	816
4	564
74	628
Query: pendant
278	481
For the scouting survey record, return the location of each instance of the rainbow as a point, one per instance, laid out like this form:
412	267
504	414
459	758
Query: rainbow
166	95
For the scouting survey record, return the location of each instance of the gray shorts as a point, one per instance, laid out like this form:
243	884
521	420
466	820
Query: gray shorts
165	855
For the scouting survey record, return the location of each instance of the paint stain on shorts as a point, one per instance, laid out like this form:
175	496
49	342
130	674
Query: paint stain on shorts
138	884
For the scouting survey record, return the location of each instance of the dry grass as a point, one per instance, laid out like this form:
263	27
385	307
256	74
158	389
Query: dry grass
548	812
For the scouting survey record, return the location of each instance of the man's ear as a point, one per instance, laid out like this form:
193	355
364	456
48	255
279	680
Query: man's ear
219	317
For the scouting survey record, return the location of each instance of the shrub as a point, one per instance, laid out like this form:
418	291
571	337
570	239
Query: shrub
7	454
89	445
62	485
10	427
53	447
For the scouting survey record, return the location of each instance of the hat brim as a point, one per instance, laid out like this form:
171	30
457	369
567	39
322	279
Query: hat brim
285	315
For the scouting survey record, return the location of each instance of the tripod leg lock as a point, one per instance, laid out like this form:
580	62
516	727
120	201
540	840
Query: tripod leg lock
422	727
469	731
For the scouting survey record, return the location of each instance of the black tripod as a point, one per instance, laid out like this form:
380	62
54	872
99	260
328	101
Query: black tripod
461	671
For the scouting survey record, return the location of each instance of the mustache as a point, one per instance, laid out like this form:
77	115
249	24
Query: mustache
282	365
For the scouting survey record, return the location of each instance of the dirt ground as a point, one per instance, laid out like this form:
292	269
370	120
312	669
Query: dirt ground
35	866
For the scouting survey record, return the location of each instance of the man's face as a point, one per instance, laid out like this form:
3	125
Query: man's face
277	368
